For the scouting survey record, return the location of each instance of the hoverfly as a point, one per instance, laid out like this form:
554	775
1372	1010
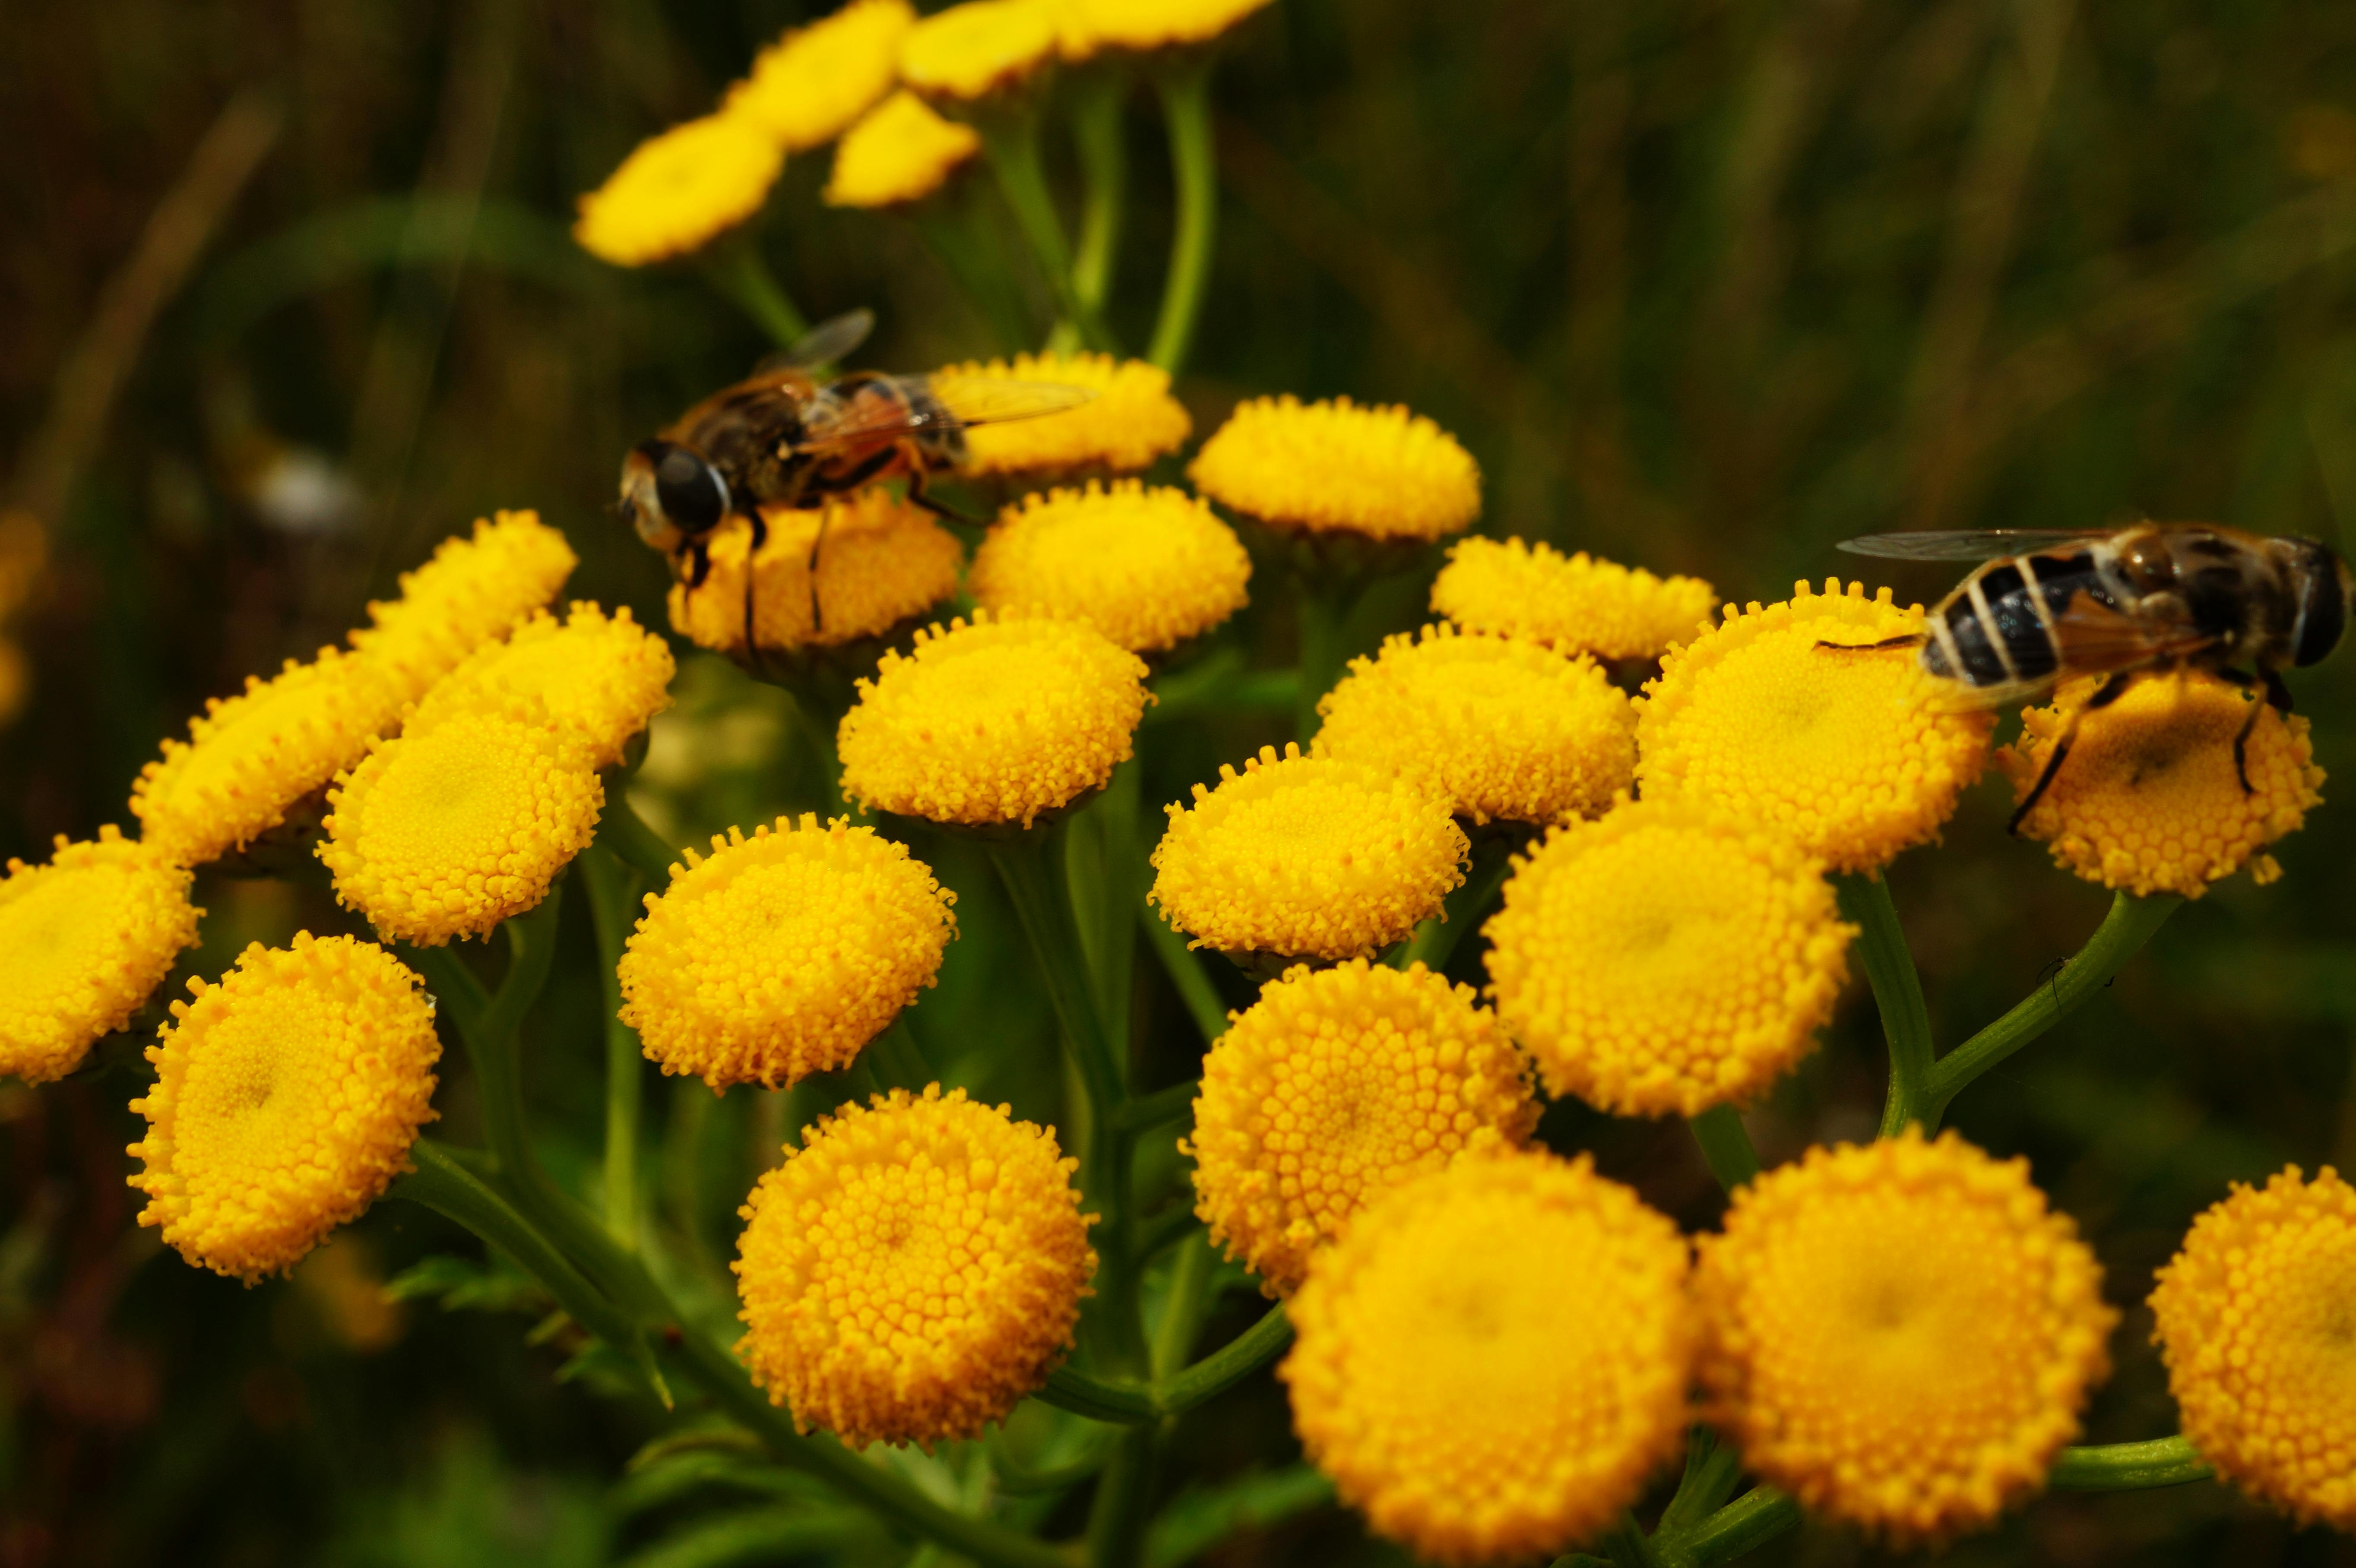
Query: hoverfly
2053	604
783	436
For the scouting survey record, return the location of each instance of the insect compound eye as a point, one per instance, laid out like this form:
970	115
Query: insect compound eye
692	494
2322	605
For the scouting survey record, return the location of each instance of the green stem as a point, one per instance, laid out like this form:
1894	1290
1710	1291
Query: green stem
612	887
1436	941
1117	1515
899	1060
1104	181
1194	167
2130	923
738	269
1011	141
1898	992
1321	611
1228	1365
1726	1144
1712	1469
1184	967
962	246
626	836
1183	1308
1162	1105
1625	1544
1120	1403
2129	1467
1750	1521
820	737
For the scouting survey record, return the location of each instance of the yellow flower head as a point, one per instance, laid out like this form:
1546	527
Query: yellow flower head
1333	465
1664	960
449	831
1576	603
2257	1319
913	1270
601	678
1307	856
1492	1361
805	87
680	190
250	758
1131	421
83	940
2147	799
879	562
1148	568
901	151
1900	1335
1858	754
1335	1087
285	1100
1142	25
784	953
979	49
471	591
993	723
1503	727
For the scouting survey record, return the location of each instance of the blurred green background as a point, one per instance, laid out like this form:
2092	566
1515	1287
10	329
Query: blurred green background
1705	285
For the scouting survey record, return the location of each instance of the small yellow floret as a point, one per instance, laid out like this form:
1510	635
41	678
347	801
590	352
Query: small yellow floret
805	87
1900	1335
1306	856
913	1270
1335	1087
1577	604
1131	421
784	953
993	723
1505	728
1148	568
2147	800
680	190
879	562
471	591
1858	754
979	49
285	1100
900	152
2258	1320
446	833
600	677
1492	1361
251	757
83	940
1333	465
1090	26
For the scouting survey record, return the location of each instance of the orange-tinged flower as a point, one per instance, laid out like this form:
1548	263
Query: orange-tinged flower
1335	467
1506	588
1148	568
806	88
1131	421
880	561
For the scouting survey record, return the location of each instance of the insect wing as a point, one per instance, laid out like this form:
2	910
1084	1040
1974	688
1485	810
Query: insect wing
986	399
824	343
884	409
1964	544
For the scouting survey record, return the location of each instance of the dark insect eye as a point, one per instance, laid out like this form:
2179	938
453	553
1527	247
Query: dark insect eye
690	491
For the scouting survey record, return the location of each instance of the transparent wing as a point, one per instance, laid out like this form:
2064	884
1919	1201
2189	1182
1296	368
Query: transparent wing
986	399
885	408
1962	544
827	342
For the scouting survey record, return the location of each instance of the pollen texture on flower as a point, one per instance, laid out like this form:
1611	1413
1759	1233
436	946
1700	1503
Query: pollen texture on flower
806	88
1493	1361
83	940
1335	1087
880	561
472	590
1856	754
601	677
446	833
1900	1335
2147	800
286	1098
1131	421
680	189
1503	727
979	49
1665	959
1148	568
993	723
1337	466
2258	1320
1090	26
913	1270
782	953
901	151
1307	856
1576	603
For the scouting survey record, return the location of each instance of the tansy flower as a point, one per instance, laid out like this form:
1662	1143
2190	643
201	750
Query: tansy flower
680	190
472	590
1665	959
900	152
913	1270
2258	1320
979	49
285	1100
600	677
1148	568
1504	729
993	723
83	940
1131	421
1900	1335
879	562
805	87
784	953
2147	800
1575	603
1335	1087
1307	856
1141	24
1858	754
250	757
448	832
1491	1361
1333	465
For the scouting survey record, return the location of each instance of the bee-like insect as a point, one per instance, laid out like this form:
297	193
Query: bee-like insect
2155	596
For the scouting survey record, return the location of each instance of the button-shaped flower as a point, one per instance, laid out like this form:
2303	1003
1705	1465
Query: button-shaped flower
1148	568
1577	604
1339	467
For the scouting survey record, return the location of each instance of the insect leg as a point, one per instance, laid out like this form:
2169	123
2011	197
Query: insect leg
699	563
1913	641
2278	699
2109	692
938	509
751	642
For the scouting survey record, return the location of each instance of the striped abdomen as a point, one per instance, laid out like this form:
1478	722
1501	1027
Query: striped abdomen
1998	627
